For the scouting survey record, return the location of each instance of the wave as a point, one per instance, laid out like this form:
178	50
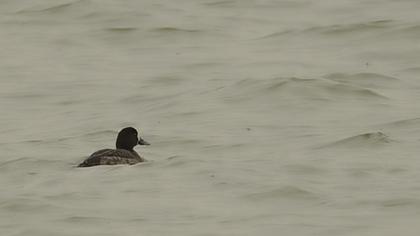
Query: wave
411	32
11	162
168	99
168	80
177	33
174	30
297	88
56	8
304	169
279	34
336	30
414	70
121	29
59	8
85	219
371	26
101	133
406	124
391	203
28	163
225	3
369	80
399	202
374	139
289	192
129	35
176	161
21	204
258	4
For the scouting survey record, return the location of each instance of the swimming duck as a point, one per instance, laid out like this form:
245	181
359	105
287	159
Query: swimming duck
127	139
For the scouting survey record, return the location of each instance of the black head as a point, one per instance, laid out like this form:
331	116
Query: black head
128	138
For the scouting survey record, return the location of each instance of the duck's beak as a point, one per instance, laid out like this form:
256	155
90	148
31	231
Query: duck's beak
142	142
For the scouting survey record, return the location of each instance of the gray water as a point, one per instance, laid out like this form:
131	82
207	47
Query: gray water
265	117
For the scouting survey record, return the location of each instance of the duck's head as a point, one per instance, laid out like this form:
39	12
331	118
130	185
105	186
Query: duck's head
128	138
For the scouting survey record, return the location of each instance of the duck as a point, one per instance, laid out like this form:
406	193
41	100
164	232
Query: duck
124	153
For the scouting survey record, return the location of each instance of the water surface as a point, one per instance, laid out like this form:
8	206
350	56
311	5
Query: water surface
265	117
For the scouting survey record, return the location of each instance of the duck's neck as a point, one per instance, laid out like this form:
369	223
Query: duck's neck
122	144
125	148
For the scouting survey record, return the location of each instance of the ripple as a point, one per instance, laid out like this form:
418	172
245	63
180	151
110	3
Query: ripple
400	202
414	70
392	203
226	3
406	125
175	30
121	29
25	205
85	219
11	162
60	8
298	88
278	34
56	8
365	80
288	192
403	123
333	30
374	139
176	161
353	28
411	32
304	169
100	133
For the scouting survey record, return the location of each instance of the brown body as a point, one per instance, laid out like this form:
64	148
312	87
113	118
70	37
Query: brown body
112	157
124	154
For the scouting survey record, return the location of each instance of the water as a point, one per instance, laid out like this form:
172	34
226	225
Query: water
265	117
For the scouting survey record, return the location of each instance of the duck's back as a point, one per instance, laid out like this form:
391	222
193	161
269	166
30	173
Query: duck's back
112	157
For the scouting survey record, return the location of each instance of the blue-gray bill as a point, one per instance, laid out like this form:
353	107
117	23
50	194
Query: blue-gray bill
142	142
